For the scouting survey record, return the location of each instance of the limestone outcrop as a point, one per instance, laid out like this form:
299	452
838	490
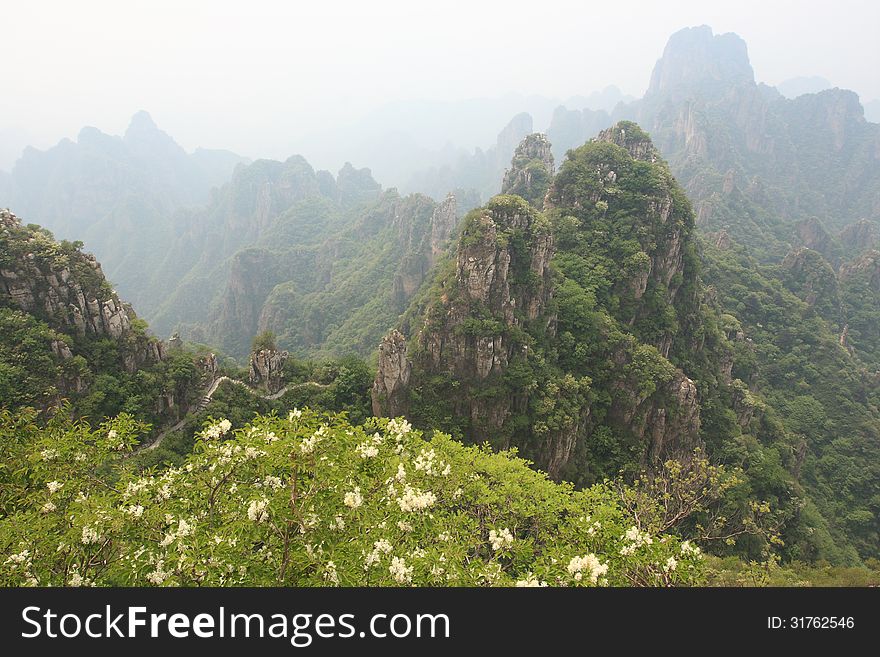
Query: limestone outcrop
267	369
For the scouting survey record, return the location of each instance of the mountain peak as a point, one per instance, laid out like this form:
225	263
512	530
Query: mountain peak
141	122
696	58
630	136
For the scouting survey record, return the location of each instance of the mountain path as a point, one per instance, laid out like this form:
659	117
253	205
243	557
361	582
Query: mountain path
209	393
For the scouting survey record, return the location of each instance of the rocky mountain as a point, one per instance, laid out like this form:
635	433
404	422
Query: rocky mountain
502	350
119	195
598	333
752	161
326	263
530	170
65	333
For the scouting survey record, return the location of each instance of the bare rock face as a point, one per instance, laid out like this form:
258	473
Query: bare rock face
389	393
860	236
484	280
867	266
267	369
667	419
531	169
208	367
69	291
694	57
443	223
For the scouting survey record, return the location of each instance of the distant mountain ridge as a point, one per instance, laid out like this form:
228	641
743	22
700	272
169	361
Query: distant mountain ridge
119	195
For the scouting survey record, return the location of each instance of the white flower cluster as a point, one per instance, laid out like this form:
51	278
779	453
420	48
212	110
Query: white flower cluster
271	481
380	547
636	540
427	462
183	530
688	549
158	575
530	581
588	564
401	573
48	507
398	427
113	435
367	449
670	565
330	574
414	499
132	488
308	444
54	486
49	454
500	539
19	557
78	580
295	414
258	510
217	430
353	498
90	535
135	510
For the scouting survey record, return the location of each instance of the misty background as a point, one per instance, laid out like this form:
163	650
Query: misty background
335	82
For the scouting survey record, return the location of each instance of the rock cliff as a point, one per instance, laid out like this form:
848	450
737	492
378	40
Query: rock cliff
509	351
389	393
267	369
65	287
531	170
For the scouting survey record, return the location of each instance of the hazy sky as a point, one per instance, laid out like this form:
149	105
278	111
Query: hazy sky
255	76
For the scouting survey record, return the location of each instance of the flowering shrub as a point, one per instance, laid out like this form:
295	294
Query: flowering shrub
309	500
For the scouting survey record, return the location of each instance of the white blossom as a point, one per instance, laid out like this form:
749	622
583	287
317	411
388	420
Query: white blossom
48	507
688	549
530	581
257	511
78	580
353	498
399	427
670	564
414	499
159	575
401	573
271	481
308	445
330	573
637	539
588	565
49	454
90	535
54	486
500	539
19	557
367	450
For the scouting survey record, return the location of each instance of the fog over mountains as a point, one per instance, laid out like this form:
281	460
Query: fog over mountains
606	283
